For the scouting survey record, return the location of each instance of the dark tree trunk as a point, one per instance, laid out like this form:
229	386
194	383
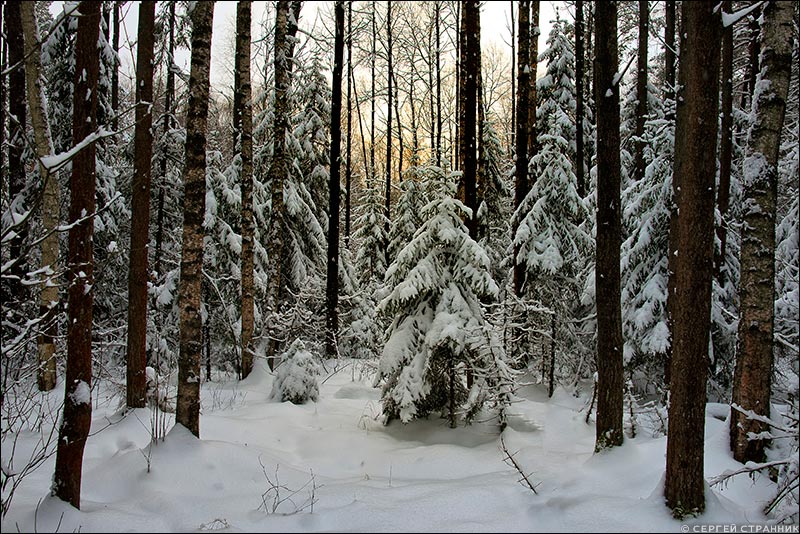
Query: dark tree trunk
115	68
140	210
695	173
609	315
753	375
470	61
669	51
77	413
513	77
386	210
551	372
332	286
372	171
533	56
438	91
348	172
726	142
194	202
243	125
579	59
521	177
641	93
18	111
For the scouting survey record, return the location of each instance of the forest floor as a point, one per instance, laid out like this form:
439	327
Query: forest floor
261	464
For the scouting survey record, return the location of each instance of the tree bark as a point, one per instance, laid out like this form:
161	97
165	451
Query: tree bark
535	31
194	202
726	142
77	413
579	59
695	172
115	67
753	374
243	125
669	52
470	61
521	177
51	198
387	207
641	92
348	171
609	315
513	76
140	208
285	29
332	286
438	90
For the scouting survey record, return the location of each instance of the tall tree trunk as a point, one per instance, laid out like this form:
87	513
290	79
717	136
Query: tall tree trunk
286	19
348	172
513	126
386	210
77	413
533	133
3	49
726	142
372	171
521	177
669	67
470	61
18	111
243	124
609	315
753	375
51	198
399	127
332	286
115	67
140	208
579	59
695	172
194	203
641	92
438	89
669	51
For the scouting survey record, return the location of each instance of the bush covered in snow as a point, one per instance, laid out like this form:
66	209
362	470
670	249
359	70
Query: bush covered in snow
296	375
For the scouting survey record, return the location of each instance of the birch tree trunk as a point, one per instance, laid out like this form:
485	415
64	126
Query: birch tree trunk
51	199
753	374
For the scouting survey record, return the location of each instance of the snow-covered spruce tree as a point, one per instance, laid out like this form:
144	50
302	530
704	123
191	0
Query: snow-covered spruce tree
406	212
296	375
555	91
370	236
438	329
494	197
643	266
551	237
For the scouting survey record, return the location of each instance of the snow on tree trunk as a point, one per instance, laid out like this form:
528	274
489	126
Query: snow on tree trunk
51	198
609	431
753	375
693	242
194	180
140	207
77	413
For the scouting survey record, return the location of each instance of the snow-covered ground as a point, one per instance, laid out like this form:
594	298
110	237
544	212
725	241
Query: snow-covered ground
363	476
